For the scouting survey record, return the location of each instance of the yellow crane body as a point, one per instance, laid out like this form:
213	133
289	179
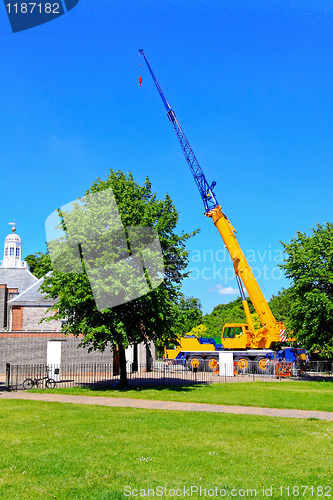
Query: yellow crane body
271	330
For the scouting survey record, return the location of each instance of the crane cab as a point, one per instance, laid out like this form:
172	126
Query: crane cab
235	336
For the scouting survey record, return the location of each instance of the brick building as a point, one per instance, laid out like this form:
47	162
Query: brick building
23	337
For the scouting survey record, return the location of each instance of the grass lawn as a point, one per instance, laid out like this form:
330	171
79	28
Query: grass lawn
287	394
68	452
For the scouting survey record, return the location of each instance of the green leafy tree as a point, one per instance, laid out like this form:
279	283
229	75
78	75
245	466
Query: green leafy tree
281	303
233	312
189	314
309	266
39	264
256	321
150	317
198	331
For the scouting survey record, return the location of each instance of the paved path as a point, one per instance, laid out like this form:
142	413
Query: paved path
167	405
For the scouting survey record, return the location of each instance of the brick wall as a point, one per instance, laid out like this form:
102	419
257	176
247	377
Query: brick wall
23	348
31	348
32	316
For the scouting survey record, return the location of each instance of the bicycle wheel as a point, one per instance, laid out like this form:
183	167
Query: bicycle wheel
28	383
50	383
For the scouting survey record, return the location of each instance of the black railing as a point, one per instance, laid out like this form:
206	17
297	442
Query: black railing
173	373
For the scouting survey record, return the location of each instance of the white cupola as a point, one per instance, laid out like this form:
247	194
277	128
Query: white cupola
12	256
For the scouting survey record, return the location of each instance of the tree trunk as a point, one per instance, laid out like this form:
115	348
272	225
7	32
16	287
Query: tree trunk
123	372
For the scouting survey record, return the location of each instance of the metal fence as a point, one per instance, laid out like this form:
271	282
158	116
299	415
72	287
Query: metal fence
320	367
102	375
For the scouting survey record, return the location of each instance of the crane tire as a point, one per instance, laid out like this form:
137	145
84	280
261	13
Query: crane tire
262	367
243	363
195	363
211	363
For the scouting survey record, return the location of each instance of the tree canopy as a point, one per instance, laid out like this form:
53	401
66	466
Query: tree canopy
233	312
39	264
280	305
104	261
309	266
189	314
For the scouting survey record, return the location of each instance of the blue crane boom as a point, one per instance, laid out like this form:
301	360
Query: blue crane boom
205	190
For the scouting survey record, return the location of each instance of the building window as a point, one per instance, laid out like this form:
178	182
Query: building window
11	252
17	252
6	251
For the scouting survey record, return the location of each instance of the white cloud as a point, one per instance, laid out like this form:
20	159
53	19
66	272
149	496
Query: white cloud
224	291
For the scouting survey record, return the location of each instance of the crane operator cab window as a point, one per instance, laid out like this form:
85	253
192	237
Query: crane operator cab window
238	331
231	332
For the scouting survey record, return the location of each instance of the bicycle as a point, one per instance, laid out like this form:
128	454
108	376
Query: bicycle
29	383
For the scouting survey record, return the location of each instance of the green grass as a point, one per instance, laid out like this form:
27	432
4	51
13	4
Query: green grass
68	452
293	395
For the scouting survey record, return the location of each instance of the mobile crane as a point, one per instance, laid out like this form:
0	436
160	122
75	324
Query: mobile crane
247	343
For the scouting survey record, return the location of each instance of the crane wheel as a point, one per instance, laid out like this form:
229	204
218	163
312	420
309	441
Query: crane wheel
195	363
212	364
262	366
243	364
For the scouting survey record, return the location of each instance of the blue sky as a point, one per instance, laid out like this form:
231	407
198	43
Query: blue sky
251	83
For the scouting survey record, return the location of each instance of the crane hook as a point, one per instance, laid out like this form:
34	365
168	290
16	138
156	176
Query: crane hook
140	78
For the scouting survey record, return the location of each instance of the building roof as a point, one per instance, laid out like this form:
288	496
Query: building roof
20	278
32	296
13	237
